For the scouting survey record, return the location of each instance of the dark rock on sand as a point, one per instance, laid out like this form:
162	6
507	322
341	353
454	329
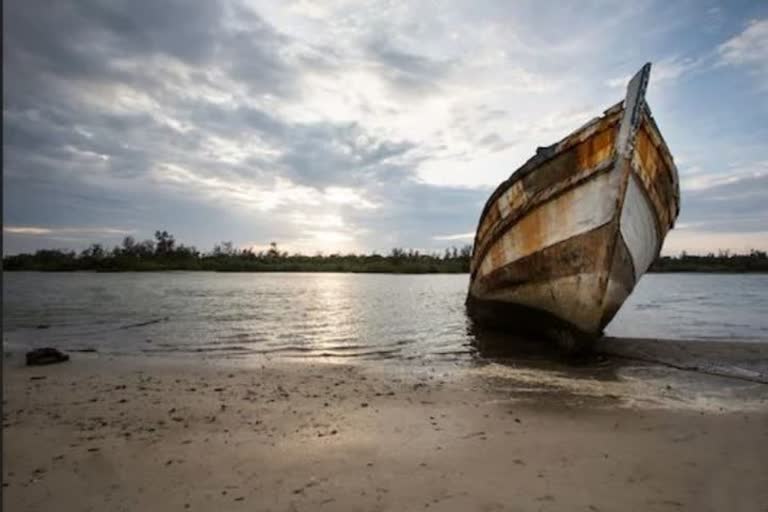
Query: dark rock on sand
48	355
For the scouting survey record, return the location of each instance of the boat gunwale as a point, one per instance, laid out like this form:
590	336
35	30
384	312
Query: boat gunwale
538	159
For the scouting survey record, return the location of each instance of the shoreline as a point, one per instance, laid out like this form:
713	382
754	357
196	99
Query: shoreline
127	433
737	359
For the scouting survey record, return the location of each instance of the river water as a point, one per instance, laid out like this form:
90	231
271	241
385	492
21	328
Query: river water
342	316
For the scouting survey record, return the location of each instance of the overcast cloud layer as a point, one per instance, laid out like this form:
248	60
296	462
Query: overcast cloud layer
358	126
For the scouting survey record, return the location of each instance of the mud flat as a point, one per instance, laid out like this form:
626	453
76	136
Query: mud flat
101	433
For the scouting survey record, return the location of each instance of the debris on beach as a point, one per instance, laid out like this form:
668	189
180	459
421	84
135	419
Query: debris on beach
47	355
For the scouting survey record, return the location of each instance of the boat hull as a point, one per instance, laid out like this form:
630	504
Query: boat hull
563	242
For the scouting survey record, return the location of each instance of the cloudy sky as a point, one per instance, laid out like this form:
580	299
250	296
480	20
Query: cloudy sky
355	125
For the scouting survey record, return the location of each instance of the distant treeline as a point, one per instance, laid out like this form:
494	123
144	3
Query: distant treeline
724	261
163	253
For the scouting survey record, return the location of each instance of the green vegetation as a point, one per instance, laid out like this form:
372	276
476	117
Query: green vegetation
724	261
163	253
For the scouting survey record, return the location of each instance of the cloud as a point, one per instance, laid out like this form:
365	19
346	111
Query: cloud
59	231
723	212
704	242
749	49
408	73
364	124
696	179
460	236
668	69
732	206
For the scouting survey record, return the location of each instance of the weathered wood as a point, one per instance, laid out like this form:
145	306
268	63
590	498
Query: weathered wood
633	107
561	244
574	212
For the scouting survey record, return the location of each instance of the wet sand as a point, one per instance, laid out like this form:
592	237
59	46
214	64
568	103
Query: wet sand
102	433
746	360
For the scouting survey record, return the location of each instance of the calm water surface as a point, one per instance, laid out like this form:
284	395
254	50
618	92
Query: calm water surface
330	315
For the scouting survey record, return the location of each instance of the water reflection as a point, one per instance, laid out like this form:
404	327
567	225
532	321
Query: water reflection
343	316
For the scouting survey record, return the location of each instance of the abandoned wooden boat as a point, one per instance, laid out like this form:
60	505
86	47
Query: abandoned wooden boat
561	244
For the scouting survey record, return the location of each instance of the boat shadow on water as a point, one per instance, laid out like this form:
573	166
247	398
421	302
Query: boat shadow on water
523	351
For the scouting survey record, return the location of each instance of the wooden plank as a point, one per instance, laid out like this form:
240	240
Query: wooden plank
633	109
577	211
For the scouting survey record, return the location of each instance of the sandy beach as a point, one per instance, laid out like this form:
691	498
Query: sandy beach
101	433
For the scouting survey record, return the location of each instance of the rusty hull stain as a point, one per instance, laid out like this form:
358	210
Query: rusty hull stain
657	177
583	278
580	254
583	158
